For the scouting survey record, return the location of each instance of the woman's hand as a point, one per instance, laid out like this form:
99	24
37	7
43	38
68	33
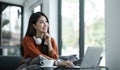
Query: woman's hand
65	64
47	38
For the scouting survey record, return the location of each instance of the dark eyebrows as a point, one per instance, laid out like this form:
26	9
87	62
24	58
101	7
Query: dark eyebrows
43	20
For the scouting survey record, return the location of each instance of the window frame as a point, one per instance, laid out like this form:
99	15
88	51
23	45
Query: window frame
81	28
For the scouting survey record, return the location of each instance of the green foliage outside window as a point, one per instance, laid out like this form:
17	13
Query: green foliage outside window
95	35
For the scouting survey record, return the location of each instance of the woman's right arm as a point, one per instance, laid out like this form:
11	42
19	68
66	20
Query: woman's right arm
31	51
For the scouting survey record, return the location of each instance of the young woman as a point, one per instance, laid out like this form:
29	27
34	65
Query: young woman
38	42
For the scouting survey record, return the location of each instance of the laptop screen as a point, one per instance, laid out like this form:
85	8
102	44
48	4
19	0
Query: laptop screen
92	57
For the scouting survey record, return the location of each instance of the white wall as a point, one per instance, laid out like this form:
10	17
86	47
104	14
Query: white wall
112	26
27	13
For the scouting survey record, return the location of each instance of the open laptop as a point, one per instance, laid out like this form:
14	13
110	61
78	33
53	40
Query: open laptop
91	58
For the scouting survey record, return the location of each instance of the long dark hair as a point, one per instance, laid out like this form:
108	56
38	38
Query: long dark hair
31	30
33	19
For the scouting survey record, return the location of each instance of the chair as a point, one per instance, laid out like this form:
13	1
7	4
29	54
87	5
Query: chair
9	62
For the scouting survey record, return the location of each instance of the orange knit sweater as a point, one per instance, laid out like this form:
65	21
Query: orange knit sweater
31	49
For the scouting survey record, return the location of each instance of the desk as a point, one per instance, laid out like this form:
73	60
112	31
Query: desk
65	68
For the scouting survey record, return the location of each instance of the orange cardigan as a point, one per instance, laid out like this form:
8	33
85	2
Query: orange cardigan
33	50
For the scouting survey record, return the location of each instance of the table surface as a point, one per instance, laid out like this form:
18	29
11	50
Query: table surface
75	68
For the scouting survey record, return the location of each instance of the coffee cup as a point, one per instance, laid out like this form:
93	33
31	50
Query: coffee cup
47	63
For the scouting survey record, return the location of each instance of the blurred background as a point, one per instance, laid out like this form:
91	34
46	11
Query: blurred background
75	25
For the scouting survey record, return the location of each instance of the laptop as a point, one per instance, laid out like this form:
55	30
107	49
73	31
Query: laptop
91	58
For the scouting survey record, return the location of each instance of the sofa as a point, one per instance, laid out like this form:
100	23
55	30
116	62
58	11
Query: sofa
9	62
12	62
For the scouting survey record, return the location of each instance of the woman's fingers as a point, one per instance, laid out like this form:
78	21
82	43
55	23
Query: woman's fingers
66	64
46	36
69	64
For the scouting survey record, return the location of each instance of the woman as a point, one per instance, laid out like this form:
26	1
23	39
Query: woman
38	42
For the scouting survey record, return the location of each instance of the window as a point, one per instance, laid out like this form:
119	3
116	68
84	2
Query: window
95	24
37	8
90	23
10	31
70	27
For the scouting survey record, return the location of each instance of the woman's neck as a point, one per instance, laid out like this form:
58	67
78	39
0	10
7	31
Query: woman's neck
39	35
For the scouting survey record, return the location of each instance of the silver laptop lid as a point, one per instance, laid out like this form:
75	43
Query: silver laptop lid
91	58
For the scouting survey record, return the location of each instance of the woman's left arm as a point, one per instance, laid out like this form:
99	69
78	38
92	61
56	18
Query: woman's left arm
52	46
54	52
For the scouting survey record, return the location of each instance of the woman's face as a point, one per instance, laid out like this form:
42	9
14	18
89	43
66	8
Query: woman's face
41	25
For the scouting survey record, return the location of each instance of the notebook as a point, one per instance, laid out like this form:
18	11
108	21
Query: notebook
91	58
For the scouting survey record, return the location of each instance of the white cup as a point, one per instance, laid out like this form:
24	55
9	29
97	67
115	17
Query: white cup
47	63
